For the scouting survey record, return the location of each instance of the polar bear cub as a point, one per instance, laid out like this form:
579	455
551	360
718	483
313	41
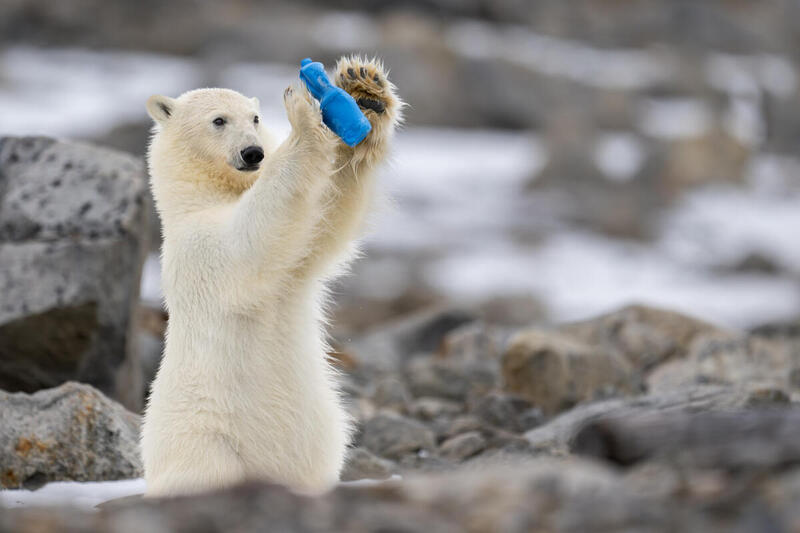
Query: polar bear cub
252	230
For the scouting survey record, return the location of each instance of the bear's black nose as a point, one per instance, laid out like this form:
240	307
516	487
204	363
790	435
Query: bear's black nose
252	155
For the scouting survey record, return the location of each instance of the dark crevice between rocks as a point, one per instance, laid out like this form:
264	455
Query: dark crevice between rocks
45	349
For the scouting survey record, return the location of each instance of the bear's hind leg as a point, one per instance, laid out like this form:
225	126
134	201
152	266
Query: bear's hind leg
202	463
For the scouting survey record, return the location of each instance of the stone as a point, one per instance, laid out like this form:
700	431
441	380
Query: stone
461	424
732	359
71	432
391	393
557	435
363	464
427	408
451	380
386	347
507	412
462	446
389	435
645	336
754	439
473	342
554	372
73	237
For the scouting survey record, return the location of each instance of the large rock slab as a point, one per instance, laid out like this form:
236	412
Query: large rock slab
752	439
558	435
73	235
71	432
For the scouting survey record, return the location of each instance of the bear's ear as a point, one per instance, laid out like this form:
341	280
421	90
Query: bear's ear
255	101
160	108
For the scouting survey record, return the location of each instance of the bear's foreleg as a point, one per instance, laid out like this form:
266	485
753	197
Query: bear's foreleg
346	203
273	222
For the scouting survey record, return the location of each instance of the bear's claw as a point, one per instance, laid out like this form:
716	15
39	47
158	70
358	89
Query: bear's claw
366	82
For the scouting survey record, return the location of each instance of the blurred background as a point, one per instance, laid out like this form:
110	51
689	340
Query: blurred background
559	159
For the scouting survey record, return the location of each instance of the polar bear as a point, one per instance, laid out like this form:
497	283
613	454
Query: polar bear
252	232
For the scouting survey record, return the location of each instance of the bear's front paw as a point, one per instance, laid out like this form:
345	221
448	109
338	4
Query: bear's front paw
367	83
305	117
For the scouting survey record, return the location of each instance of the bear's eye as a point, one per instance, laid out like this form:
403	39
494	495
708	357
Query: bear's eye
219	121
255	119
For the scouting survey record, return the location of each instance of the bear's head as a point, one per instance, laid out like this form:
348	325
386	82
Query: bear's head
210	137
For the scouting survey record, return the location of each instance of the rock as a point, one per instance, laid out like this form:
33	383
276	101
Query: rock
71	432
554	372
386	347
432	408
461	424
755	439
474	342
391	393
645	336
507	412
462	446
362	464
392	436
73	237
783	330
732	359
557	436
512	310
456	381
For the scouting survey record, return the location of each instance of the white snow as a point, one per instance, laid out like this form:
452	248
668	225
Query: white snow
745	75
82	93
579	275
619	156
598	67
72	493
674	118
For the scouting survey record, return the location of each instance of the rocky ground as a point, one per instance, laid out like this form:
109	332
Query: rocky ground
639	420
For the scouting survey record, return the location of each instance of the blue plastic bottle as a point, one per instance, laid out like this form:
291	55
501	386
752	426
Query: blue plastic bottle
340	112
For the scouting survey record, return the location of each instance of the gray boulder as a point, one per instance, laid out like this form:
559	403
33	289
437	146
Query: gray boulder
73	235
71	432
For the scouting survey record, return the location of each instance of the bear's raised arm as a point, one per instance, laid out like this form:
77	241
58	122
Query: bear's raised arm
272	224
348	201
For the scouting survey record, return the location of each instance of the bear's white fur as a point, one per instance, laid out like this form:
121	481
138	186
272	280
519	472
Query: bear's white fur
244	390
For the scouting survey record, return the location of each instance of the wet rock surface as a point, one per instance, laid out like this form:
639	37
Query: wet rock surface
71	432
73	234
